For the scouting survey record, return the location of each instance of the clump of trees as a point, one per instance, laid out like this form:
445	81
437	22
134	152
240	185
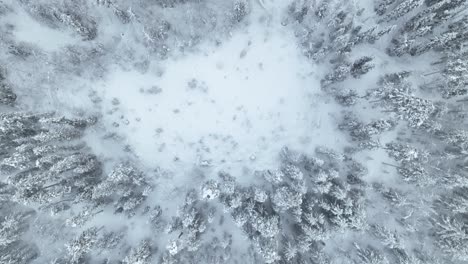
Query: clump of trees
14	224
43	160
7	96
126	186
313	196
65	14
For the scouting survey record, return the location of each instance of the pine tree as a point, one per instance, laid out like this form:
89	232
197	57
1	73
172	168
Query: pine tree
452	236
210	190
73	16
19	253
7	96
405	153
13	226
396	96
126	186
140	255
383	5
387	238
346	97
365	133
82	245
455	74
370	255
402	9
361	66
110	240
240	10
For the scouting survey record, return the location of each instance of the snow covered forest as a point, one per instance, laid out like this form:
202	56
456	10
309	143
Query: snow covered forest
233	131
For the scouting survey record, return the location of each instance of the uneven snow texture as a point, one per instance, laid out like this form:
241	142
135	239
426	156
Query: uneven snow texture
235	131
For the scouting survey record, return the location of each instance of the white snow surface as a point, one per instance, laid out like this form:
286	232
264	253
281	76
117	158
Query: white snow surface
228	107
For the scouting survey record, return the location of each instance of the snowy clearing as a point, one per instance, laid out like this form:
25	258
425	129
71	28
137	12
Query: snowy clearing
229	107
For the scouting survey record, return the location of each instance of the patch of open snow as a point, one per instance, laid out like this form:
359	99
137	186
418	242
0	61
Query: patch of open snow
230	107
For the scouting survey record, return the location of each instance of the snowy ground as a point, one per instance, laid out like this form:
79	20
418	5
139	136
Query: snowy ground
229	107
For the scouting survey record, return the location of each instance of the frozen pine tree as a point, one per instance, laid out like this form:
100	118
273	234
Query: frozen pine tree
361	66
370	255
455	76
452	235
125	186
398	98
81	246
7	96
65	14
13	243
140	255
406	153
402	9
